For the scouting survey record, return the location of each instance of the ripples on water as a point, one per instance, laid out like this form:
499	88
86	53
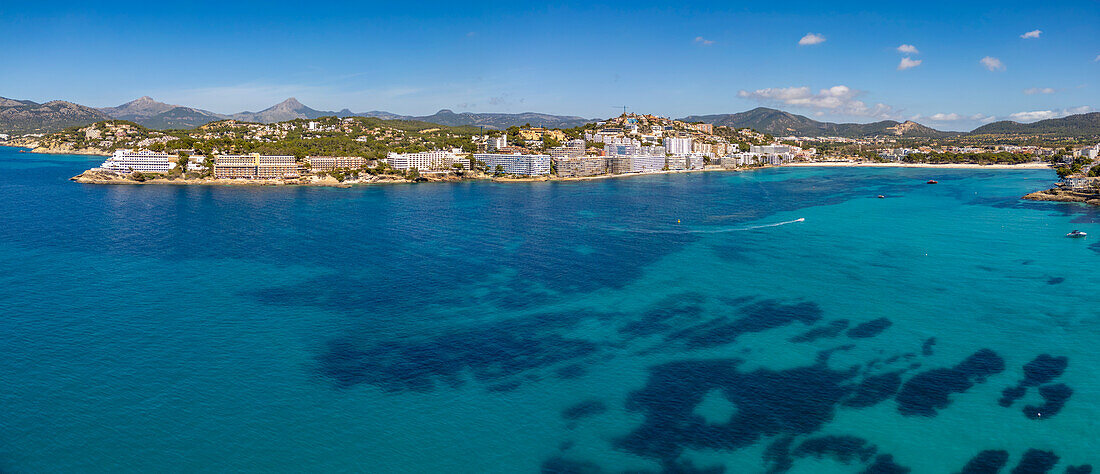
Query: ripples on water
668	323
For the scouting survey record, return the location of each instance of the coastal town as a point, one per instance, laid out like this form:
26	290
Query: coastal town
346	151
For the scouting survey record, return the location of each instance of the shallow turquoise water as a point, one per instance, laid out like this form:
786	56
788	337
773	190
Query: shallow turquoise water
484	327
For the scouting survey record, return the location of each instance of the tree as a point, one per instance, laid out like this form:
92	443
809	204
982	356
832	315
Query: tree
499	170
182	161
549	142
413	174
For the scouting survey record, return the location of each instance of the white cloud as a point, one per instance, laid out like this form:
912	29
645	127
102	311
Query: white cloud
1097	58
703	41
907	63
1033	116
945	117
992	63
1048	114
908	49
837	99
1033	34
811	39
1039	90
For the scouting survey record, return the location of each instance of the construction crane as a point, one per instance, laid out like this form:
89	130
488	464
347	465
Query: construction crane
624	108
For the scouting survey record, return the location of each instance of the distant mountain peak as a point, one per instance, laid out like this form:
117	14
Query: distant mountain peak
290	103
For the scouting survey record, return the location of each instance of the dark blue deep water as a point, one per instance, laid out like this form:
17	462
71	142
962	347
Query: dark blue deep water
678	323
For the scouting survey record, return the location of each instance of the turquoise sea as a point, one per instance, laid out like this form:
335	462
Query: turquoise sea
780	320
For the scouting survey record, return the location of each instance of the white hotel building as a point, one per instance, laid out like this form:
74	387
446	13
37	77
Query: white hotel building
526	165
438	160
144	161
677	146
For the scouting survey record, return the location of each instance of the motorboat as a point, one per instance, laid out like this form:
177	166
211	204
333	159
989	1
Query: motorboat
881	196
1076	234
932	181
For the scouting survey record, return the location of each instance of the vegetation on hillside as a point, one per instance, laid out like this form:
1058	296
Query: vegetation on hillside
1001	158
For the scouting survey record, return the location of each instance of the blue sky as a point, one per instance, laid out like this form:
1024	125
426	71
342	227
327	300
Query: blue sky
566	58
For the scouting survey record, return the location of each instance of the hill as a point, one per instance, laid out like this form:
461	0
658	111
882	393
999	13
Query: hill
501	121
289	109
28	117
24	116
158	115
780	123
1080	125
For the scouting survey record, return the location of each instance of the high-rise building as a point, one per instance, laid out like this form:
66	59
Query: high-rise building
496	143
677	146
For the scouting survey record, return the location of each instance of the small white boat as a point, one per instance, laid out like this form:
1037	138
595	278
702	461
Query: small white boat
1076	234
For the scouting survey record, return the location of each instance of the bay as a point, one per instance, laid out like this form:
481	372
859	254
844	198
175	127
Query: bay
779	319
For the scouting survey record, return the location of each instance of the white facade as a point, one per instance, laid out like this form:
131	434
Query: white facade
526	165
144	161
496	143
438	160
677	146
770	149
196	163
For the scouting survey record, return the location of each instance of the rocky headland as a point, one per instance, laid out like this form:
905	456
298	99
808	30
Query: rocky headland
1065	195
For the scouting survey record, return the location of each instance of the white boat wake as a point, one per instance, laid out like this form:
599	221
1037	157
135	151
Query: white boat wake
707	231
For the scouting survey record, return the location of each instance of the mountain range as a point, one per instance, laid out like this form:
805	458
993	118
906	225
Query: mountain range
780	123
24	116
1073	125
150	113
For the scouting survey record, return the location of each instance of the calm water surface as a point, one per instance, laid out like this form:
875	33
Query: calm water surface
678	323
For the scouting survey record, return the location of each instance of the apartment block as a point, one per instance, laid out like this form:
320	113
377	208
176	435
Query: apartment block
525	165
144	161
255	166
580	166
329	163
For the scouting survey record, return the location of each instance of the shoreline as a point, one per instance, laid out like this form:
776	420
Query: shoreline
93	176
1064	195
964	166
58	151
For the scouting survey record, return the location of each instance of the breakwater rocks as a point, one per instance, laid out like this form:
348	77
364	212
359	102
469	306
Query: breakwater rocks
1065	195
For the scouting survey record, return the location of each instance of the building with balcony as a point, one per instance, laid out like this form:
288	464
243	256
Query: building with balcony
677	146
575	167
255	166
438	160
524	165
329	163
145	161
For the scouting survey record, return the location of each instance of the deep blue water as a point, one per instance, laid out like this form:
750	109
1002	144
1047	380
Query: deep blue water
674	322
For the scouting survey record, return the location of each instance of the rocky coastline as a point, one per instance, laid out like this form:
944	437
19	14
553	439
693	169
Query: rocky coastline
35	145
99	176
1065	195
